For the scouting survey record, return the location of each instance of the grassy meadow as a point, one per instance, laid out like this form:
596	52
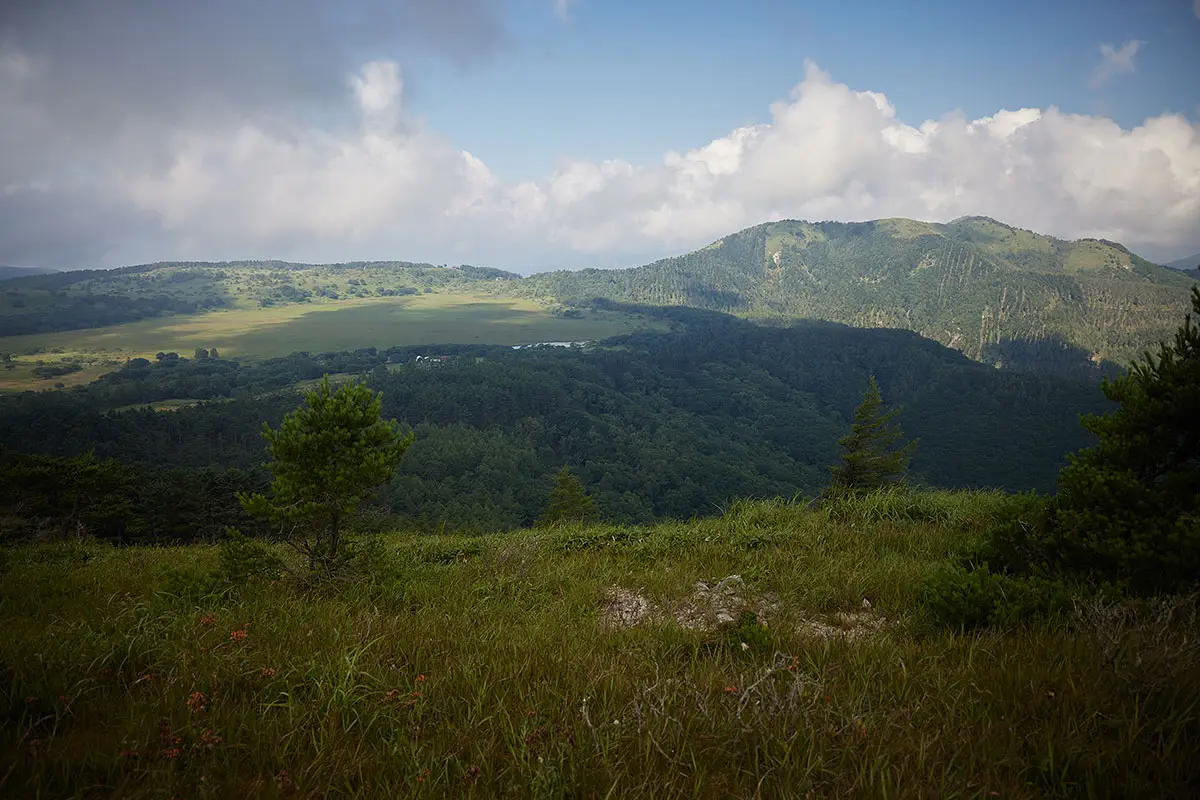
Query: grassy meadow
586	662
438	318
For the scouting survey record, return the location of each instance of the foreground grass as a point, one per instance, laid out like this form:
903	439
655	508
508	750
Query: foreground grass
483	666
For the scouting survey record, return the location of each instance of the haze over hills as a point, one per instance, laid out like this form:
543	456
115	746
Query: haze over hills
1189	265
995	292
8	272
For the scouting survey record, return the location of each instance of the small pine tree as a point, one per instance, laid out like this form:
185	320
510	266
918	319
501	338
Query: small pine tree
871	459
569	501
326	458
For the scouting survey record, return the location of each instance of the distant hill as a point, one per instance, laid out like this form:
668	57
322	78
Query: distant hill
1184	264
1189	265
997	293
8	273
63	301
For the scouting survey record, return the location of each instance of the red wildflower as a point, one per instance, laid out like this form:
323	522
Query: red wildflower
730	689
209	740
421	778
269	672
208	619
197	702
238	635
421	678
171	752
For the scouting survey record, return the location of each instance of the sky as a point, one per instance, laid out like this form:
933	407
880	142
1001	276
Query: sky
544	134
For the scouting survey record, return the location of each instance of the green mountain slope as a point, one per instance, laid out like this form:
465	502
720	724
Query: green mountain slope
997	293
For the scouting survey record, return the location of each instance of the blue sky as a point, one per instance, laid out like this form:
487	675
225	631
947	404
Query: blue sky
508	133
629	79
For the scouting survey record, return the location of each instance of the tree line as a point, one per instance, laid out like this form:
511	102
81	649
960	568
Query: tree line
656	424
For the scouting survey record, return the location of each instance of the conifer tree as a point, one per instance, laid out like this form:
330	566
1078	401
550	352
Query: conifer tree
1128	509
871	458
326	458
569	501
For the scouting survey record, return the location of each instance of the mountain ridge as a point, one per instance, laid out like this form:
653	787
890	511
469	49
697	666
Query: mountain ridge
998	293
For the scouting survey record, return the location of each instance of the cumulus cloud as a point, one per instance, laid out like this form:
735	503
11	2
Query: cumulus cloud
1196	8
380	184
1116	61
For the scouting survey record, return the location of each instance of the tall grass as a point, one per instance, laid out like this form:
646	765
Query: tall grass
463	666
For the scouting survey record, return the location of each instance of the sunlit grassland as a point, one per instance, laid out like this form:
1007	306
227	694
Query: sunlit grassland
438	318
459	666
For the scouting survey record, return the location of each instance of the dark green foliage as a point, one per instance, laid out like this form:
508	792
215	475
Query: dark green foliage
1127	514
871	458
244	560
568	502
48	497
56	498
974	598
326	459
1129	508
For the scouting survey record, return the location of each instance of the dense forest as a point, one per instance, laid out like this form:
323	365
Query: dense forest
656	424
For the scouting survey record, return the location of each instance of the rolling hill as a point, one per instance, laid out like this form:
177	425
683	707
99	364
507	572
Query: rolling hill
997	293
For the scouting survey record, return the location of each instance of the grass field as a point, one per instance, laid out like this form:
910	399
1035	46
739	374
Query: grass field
586	662
440	318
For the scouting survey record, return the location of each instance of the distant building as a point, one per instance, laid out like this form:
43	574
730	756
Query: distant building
550	344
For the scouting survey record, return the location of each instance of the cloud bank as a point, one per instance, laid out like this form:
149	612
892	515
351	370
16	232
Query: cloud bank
215	175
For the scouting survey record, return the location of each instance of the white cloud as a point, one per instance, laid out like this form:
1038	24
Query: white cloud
562	8
385	186
1116	61
1196	8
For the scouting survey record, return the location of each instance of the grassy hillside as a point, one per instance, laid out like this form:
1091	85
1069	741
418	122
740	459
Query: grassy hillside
66	301
997	293
445	317
586	662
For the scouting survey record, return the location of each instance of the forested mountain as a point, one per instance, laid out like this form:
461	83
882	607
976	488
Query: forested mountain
999	294
657	423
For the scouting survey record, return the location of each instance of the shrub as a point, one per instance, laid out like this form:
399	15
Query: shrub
243	560
974	598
